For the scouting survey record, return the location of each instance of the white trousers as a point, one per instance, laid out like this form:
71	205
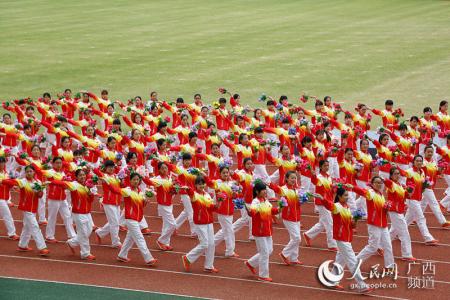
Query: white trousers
226	233
5	214
205	233
112	213
41	207
378	238
244	220
351	202
384	175
169	225
224	150
361	201
84	230
122	222
186	214
134	235
305	183
429	199
325	223
445	202
346	257
30	230
275	149
61	206
400	228
260	172
334	167
415	213
291	249
264	246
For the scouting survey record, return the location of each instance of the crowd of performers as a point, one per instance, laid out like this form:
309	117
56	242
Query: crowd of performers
57	152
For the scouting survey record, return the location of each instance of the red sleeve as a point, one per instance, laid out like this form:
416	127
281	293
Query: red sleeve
275	187
376	112
388	183
233	102
360	191
128	121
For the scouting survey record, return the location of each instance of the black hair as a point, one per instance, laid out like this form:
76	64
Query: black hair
414	118
442	103
117	122
254	112
161	125
259	129
130	156
270	102
180	100
223	168
199	180
339	193
30	167
282	98
391	171
222	100
186	156
322	162
382	136
402	126
306	139
160	164
110	139
241	137
134	174
78	171
427	109
108	163
2	159
288	174
67	90
318	103
46	94
192	135
160	142
389	102
258	187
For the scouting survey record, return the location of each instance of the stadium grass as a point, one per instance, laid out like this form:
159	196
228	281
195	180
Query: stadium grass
354	50
41	290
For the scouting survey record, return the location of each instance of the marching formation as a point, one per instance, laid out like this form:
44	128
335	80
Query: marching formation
63	154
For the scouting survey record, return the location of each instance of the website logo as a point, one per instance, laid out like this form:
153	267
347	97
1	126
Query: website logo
330	277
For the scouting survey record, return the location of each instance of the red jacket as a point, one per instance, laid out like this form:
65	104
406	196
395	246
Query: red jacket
261	212
223	190
28	198
109	182
396	196
376	212
342	221
164	189
4	188
293	211
203	207
81	197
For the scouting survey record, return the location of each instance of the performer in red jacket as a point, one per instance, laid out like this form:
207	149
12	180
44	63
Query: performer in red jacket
203	207
261	211
343	225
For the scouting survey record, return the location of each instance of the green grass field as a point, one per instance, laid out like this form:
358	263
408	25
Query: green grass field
362	50
41	290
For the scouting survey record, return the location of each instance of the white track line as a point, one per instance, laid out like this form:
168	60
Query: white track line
102	286
270	262
195	274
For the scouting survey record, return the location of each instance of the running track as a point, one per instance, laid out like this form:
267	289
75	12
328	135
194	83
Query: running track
234	280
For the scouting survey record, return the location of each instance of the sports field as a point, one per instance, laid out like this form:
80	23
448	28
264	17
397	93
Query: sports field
352	50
